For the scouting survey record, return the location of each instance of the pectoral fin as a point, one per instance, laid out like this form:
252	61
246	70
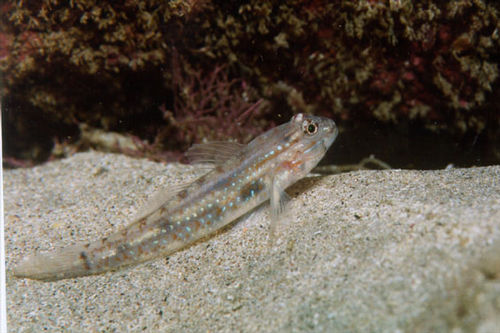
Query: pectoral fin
278	199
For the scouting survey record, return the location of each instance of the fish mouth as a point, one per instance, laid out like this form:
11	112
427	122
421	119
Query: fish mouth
330	133
333	131
322	146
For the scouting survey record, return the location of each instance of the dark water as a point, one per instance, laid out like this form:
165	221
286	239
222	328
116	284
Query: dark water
411	148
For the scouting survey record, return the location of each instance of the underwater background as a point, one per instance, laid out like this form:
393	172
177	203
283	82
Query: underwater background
415	83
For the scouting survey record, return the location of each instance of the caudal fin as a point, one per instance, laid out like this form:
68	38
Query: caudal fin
62	264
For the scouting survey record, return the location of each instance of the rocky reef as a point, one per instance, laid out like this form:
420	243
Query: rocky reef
167	74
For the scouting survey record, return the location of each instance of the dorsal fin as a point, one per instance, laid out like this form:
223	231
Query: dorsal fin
215	153
159	199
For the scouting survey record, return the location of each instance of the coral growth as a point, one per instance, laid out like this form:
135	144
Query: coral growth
210	107
394	60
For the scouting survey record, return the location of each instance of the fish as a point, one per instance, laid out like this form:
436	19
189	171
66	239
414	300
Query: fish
240	178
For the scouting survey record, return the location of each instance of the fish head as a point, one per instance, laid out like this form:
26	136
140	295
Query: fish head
308	138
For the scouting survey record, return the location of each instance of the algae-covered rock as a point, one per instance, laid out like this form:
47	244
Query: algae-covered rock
113	66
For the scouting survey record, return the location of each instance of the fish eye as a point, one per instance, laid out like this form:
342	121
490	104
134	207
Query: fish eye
310	128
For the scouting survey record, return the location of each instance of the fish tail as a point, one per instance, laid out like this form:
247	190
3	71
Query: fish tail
65	263
103	255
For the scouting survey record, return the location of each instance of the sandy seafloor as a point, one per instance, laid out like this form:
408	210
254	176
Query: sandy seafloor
366	251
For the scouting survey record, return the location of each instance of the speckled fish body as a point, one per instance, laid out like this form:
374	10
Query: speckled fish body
243	177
